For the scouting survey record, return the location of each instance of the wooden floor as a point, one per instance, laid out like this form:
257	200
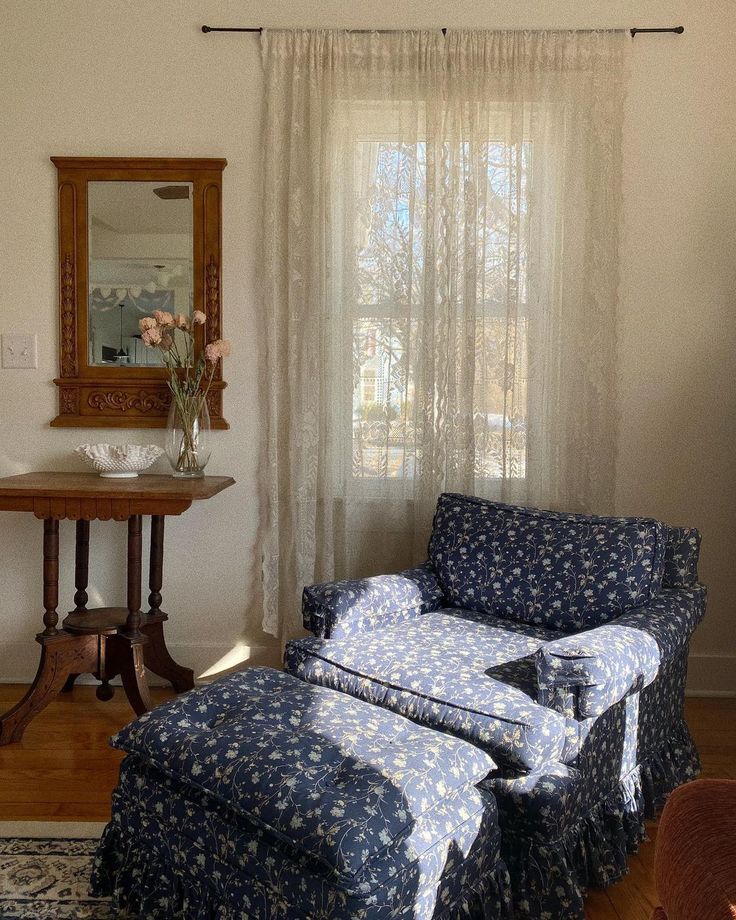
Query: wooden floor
63	770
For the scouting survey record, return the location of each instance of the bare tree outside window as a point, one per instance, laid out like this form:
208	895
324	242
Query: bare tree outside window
393	295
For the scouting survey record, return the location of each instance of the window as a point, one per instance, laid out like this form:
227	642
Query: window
388	290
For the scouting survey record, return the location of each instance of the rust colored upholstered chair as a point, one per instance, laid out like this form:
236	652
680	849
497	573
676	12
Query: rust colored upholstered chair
695	861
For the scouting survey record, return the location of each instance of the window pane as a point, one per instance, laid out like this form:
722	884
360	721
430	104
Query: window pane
384	438
390	322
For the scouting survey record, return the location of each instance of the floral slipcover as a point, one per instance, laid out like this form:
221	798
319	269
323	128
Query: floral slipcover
557	643
681	557
263	796
344	608
601	666
566	828
565	571
458	671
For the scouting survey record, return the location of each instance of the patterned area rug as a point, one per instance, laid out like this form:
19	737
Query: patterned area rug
44	872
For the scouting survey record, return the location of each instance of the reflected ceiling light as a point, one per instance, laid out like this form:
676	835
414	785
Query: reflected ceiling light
121	294
151	287
171	192
136	291
162	278
106	291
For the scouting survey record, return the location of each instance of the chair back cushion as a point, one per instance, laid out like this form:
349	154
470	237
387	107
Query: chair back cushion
564	571
681	557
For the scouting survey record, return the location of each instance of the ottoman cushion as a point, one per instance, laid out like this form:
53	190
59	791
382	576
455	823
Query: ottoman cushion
172	851
355	787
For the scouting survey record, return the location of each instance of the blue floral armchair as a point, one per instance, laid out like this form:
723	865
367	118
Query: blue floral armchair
555	642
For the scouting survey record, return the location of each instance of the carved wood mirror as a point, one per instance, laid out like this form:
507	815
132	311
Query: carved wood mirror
135	235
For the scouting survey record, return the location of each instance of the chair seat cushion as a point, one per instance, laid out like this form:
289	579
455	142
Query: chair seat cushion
564	571
333	776
462	672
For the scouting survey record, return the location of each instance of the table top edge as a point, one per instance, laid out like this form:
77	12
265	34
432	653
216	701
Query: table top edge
90	485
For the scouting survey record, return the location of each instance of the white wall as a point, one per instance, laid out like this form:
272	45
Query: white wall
139	79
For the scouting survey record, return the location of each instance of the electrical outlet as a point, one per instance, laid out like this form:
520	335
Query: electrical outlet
19	350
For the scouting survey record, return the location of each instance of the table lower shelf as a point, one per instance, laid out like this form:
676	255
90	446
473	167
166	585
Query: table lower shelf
105	620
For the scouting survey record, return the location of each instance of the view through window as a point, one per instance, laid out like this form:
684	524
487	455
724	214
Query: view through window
395	291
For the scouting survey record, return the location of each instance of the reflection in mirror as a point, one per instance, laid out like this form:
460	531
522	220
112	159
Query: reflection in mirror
140	260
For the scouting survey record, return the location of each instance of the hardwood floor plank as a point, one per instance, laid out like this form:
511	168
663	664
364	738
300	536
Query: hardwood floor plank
635	896
64	768
598	907
59	811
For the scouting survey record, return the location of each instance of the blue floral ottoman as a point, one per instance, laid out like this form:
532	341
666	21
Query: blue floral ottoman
263	797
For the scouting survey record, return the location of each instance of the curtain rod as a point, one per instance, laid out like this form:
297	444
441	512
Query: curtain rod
677	30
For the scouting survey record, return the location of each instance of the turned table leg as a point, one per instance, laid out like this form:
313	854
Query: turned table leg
156	565
81	566
155	653
135	556
124	651
50	576
81	580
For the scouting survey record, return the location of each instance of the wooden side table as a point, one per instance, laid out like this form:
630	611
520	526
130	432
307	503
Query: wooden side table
106	641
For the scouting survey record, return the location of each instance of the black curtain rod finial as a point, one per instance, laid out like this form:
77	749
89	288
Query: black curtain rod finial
207	29
676	30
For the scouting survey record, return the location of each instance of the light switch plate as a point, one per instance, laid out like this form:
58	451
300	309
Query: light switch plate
19	350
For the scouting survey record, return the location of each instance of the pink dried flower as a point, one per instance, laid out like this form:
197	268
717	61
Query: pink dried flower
198	318
148	322
151	336
181	321
216	350
164	318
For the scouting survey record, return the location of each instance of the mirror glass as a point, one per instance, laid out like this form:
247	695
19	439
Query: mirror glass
140	260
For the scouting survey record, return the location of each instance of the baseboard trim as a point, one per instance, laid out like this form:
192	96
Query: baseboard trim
711	675
207	660
708	675
710	694
52	830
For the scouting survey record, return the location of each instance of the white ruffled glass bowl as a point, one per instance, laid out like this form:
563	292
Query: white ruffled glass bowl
123	461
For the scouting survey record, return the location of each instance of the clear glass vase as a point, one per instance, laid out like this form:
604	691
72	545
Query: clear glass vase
188	436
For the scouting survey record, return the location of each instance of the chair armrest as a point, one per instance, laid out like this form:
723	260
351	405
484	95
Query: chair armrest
344	608
585	674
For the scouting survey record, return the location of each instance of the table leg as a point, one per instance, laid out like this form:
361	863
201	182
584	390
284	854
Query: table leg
156	566
61	653
135	555
81	567
124	650
50	575
81	580
155	653
125	656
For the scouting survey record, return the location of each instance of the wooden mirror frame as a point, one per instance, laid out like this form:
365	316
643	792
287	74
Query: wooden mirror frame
133	397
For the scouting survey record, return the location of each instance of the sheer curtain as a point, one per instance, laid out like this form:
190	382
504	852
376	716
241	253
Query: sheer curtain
441	236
